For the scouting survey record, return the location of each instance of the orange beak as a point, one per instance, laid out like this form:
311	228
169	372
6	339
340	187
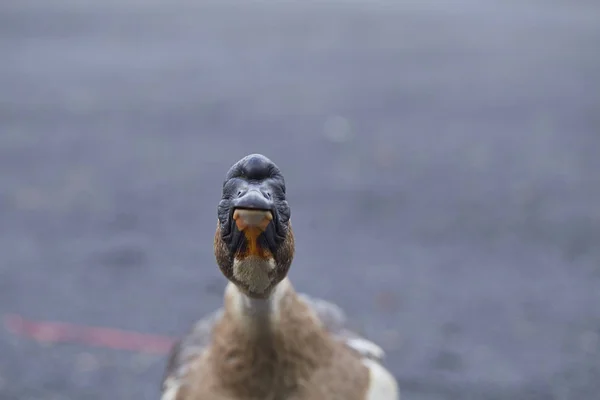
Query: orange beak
252	219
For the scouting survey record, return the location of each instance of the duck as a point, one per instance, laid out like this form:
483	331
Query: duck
268	341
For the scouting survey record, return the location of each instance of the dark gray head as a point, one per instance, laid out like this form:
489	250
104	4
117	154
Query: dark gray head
254	244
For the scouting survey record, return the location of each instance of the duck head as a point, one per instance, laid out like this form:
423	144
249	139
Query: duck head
254	243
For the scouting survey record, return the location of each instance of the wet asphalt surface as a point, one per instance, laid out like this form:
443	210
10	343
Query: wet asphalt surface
442	161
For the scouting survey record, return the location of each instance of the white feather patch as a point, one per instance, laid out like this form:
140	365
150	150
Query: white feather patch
382	384
366	348
171	387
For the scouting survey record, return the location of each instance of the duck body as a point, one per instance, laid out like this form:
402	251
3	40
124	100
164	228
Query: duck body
269	342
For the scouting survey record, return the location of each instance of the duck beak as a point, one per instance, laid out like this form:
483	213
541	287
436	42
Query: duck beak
247	218
253	221
252	209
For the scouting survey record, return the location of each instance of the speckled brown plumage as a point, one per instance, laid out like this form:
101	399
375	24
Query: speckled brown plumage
295	359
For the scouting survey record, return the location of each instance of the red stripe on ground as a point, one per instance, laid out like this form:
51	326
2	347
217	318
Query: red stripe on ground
60	332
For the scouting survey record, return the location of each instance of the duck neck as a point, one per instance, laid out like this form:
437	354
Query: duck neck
261	346
257	315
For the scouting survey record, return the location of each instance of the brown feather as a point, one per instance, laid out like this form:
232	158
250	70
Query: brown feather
293	358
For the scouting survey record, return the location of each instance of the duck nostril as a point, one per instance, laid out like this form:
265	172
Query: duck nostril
239	193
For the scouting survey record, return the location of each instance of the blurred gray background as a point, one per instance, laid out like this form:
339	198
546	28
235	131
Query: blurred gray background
442	161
